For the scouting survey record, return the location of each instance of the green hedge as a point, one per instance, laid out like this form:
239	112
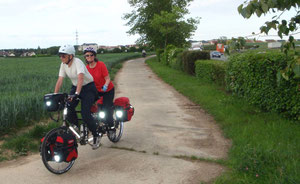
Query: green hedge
190	57
209	47
211	70
254	77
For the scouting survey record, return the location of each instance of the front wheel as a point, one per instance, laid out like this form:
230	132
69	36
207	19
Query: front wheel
49	157
115	135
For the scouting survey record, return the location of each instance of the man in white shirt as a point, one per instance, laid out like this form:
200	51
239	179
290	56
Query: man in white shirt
83	87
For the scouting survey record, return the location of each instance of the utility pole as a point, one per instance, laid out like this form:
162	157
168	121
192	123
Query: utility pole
76	37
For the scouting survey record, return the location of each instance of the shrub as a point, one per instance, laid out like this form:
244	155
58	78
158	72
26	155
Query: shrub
211	70
254	76
209	47
168	53
175	58
190	57
159	53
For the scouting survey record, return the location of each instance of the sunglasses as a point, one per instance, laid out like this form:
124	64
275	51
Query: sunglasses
62	55
87	55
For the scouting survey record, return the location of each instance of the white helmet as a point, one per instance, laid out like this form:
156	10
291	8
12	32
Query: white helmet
67	49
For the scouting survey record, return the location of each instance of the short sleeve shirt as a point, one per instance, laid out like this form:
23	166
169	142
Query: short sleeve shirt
99	72
72	72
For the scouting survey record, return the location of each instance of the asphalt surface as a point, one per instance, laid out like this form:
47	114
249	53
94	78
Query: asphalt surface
166	130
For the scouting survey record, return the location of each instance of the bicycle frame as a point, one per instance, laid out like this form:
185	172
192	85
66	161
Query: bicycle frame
99	117
81	133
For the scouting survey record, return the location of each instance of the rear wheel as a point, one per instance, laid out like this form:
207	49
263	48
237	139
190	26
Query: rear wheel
50	158
115	135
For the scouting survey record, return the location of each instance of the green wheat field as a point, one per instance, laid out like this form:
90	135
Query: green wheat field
25	81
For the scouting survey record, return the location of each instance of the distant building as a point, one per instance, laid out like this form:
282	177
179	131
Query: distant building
270	41
196	46
280	40
28	54
274	45
250	41
86	45
213	42
259	41
3	53
206	43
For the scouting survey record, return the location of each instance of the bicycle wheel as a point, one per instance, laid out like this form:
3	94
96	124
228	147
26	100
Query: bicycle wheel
53	164
115	136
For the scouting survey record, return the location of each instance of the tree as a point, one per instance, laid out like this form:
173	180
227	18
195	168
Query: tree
132	49
172	27
141	17
223	40
116	50
283	27
235	44
53	50
38	51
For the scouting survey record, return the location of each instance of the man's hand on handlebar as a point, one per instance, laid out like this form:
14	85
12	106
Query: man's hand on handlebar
73	97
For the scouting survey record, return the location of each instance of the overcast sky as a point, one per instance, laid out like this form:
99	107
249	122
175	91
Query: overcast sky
46	23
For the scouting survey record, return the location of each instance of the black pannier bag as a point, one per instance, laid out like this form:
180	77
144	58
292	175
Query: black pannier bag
54	101
64	146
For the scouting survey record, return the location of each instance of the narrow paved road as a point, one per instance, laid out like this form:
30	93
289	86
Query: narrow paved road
165	125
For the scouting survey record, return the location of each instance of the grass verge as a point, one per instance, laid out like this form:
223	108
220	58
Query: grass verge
265	146
25	143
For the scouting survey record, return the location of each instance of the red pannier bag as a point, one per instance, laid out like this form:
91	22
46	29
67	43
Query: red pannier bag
67	145
94	107
128	108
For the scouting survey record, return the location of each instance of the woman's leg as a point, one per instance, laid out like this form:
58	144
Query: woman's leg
108	98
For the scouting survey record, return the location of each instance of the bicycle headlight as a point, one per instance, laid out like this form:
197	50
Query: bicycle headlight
56	158
119	114
48	103
102	114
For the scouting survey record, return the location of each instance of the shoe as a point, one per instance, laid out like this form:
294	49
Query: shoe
112	130
96	143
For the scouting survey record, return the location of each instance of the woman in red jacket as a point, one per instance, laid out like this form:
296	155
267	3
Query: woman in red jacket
102	80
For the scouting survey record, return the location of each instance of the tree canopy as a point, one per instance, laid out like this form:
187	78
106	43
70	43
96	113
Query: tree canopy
160	22
278	7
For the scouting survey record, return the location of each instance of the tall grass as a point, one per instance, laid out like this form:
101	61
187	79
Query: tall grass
265	146
24	82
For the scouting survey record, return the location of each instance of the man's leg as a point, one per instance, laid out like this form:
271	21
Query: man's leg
87	95
72	115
